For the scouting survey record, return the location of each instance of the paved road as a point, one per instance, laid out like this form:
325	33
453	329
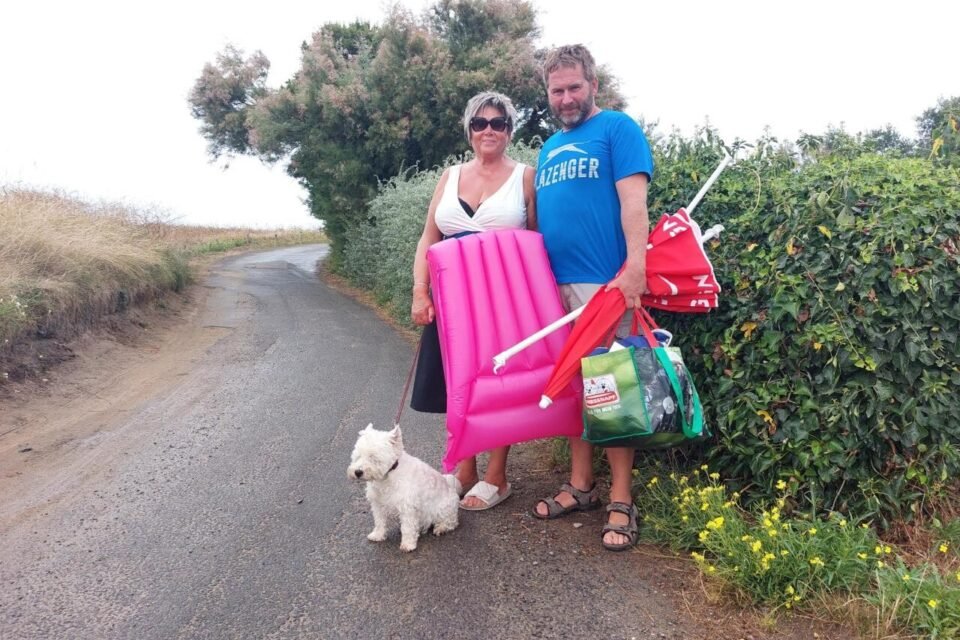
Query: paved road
228	513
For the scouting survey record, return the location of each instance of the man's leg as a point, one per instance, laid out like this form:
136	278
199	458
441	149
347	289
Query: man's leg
581	474
621	475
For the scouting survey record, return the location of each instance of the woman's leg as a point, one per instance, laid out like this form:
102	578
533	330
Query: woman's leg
495	474
466	473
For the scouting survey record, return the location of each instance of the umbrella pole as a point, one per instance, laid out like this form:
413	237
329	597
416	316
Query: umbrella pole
711	233
713	178
501	358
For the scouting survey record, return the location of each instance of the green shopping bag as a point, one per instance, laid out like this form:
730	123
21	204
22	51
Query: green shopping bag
638	396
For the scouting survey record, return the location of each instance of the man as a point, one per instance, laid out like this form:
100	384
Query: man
592	204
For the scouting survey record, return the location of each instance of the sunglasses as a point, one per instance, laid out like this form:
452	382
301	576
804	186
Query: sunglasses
478	124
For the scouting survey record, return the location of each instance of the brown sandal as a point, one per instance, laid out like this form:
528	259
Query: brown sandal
629	529
583	501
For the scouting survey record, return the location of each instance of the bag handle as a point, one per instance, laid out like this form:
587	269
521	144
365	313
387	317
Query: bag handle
644	323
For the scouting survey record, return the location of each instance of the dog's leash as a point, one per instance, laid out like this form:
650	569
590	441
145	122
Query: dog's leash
406	387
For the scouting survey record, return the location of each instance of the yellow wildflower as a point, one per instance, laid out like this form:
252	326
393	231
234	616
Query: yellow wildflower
906	577
932	604
816	561
714	476
704	535
790	590
716	523
781	485
842	523
756	546
813	531
881	564
944	547
862	556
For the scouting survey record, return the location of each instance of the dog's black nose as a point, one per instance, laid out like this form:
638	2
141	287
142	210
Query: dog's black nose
358	473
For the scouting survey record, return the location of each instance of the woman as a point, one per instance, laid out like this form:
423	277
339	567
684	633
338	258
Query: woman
491	191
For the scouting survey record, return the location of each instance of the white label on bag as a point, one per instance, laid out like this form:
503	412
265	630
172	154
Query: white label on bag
600	391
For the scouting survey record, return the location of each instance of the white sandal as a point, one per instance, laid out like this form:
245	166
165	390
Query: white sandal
488	493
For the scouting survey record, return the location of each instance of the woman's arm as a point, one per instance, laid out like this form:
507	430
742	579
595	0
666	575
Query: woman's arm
530	197
421	310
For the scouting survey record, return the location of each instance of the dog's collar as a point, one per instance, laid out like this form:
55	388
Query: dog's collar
395	465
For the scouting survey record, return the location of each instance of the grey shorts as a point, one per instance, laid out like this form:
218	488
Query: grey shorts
577	294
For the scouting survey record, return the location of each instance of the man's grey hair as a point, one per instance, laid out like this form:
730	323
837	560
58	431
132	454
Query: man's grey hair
493	99
570	56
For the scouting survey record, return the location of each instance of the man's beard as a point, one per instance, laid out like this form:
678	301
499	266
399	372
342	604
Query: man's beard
586	106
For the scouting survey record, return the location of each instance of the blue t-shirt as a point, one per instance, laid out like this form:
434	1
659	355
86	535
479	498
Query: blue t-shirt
578	209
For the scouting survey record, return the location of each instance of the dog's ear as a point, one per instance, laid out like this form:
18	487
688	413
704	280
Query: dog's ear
395	435
369	427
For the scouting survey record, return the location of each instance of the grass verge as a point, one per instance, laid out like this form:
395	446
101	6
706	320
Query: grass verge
64	263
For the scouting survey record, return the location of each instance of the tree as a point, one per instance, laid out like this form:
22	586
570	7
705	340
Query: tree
935	117
371	101
939	135
889	141
222	96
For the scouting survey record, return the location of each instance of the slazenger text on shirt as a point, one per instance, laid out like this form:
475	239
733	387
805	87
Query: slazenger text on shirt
568	170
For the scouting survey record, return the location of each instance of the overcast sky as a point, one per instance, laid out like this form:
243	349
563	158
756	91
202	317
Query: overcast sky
94	99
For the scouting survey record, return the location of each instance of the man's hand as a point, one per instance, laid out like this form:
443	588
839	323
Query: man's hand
632	282
421	311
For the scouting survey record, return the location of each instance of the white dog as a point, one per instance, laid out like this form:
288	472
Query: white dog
402	488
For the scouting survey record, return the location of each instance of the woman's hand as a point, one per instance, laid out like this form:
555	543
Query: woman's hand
421	311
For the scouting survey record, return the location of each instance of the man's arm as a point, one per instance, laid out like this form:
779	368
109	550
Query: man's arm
632	191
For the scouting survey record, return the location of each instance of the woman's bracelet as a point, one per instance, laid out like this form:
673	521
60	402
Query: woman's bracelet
421	284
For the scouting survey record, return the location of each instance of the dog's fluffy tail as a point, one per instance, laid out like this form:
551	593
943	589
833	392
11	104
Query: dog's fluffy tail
453	482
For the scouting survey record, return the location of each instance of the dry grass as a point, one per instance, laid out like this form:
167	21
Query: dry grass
64	262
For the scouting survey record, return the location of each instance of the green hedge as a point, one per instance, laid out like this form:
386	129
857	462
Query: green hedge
832	362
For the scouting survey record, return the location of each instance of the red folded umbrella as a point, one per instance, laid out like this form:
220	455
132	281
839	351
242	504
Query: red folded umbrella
594	327
692	303
680	278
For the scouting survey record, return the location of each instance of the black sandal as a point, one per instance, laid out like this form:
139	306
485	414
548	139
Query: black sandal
583	501
629	529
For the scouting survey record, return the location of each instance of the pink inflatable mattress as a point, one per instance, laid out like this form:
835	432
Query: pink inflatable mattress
490	291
